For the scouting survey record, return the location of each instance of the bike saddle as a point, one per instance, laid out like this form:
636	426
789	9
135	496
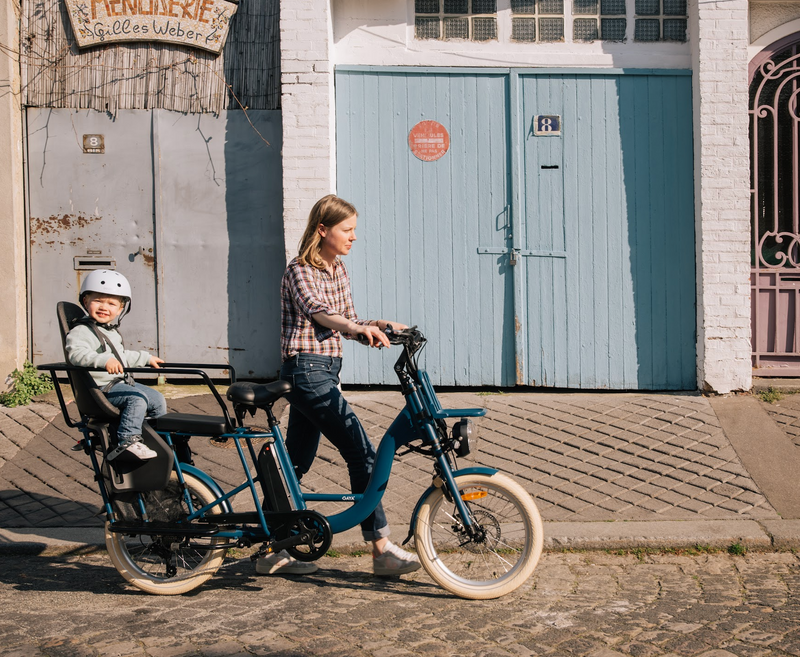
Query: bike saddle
257	395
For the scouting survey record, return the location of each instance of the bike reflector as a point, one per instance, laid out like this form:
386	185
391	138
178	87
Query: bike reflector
474	495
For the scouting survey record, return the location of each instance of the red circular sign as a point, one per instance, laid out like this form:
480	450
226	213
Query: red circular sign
428	140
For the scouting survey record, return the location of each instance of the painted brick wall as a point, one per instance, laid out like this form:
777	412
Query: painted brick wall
307	108
718	32
13	317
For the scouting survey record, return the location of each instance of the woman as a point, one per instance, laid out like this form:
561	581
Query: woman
316	309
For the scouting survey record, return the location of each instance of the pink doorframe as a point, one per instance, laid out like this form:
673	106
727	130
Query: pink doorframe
775	208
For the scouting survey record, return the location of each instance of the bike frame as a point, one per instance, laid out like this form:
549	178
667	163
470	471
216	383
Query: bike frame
421	419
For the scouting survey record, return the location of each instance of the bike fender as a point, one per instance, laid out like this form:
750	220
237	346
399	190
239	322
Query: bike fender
197	473
464	471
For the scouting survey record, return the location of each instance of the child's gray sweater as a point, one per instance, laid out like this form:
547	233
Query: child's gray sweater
85	350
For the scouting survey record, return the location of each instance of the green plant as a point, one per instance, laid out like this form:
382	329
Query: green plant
770	395
27	384
737	548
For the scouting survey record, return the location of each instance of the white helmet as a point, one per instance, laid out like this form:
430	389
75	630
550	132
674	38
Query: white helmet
107	281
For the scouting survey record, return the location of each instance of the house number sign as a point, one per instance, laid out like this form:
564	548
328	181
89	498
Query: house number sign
547	125
197	23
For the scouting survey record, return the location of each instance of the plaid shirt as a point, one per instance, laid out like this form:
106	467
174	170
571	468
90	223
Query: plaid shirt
305	291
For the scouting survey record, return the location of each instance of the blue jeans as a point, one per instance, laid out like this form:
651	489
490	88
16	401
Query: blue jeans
317	408
135	402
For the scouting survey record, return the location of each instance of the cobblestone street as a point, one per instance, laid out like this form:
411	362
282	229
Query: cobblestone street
593	604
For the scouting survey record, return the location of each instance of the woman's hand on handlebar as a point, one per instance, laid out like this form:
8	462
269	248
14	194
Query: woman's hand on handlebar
372	336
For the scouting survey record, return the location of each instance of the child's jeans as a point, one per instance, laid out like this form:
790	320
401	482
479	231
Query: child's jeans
135	402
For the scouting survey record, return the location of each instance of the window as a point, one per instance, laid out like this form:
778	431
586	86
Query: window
456	19
660	20
598	20
537	20
544	21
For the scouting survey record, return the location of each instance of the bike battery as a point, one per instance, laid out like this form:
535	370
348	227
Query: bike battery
273	483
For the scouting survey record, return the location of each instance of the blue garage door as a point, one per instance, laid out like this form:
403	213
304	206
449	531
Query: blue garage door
551	245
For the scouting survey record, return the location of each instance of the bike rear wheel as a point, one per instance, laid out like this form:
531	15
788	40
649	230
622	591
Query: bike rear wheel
503	554
164	565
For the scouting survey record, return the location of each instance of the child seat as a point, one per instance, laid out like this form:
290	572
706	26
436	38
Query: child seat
101	419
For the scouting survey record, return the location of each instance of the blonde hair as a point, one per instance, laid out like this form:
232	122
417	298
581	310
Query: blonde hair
328	211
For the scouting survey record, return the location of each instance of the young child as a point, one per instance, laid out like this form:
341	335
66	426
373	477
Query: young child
94	341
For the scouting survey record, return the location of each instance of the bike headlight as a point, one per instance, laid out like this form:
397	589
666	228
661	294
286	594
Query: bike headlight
464	437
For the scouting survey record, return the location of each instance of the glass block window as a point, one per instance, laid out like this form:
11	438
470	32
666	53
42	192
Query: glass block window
537	20
474	20
598	20
660	20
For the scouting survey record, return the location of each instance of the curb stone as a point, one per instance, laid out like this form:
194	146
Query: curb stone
558	536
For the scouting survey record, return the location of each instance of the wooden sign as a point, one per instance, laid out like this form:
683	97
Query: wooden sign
197	23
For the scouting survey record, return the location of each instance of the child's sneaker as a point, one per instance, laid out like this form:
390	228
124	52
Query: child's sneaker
134	446
394	561
280	563
142	451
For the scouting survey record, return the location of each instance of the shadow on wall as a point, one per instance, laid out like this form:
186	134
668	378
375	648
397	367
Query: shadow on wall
256	260
655	130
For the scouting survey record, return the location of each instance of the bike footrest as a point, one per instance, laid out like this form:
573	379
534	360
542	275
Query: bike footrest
247	517
163	529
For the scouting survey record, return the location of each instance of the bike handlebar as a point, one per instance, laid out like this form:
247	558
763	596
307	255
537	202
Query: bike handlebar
410	337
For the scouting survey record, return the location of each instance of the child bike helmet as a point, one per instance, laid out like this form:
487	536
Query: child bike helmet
107	281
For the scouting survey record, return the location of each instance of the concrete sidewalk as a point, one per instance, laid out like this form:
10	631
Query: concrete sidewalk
607	470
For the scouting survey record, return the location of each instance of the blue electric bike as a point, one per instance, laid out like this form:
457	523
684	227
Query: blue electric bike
478	533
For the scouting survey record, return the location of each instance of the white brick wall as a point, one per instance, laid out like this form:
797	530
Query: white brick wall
307	108
719	37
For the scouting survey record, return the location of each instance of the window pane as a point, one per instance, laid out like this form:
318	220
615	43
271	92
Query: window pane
426	28
674	29
456	28
484	29
584	6
551	7
675	7
523	29
484	6
648	7
613	7
455	7
426	6
523	6
585	29
551	29
647	29
613	29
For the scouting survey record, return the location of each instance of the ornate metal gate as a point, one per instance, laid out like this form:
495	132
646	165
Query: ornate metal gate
775	167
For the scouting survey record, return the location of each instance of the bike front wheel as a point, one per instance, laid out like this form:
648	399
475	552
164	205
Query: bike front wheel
499	556
164	564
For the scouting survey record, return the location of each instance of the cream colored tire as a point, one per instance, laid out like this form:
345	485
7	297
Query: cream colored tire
164	565
505	554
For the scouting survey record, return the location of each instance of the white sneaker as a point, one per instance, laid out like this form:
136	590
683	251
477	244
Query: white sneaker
280	563
142	451
394	561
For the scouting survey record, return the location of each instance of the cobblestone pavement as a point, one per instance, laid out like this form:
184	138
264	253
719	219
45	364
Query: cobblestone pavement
577	604
584	457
